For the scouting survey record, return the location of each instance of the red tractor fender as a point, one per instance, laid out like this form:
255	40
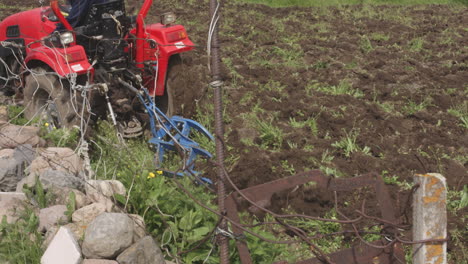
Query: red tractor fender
63	61
170	40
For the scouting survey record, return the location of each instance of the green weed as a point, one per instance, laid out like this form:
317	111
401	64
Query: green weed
38	194
20	242
349	145
271	136
310	122
71	205
246	98
291	56
412	107
273	86
342	88
379	37
457	200
460	111
416	44
16	115
365	45
62	137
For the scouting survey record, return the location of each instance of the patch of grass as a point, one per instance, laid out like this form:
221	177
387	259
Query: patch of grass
62	137
16	115
310	122
457	200
412	107
271	136
342	88
20	242
348	144
365	45
395	180
460	111
291	56
379	36
246	98
232	69
313	227
284	3
273	86
416	44
320	65
322	27
388	107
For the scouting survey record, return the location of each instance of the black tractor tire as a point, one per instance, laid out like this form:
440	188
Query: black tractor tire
166	102
7	66
3	74
48	96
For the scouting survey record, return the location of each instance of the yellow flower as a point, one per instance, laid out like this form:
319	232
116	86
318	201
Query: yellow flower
159	172
46	124
151	175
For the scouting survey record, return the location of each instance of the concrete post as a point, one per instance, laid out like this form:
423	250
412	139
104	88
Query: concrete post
430	218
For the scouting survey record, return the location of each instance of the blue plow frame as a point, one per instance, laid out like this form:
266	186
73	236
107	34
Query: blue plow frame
173	134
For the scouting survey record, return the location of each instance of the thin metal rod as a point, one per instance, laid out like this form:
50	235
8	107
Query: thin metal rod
219	128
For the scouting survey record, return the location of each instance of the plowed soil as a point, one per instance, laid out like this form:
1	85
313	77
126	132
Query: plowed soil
407	66
395	78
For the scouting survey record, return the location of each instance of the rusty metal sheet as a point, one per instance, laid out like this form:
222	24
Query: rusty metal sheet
359	255
349	184
232	213
266	190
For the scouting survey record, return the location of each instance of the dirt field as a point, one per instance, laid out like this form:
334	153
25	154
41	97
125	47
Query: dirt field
347	90
388	77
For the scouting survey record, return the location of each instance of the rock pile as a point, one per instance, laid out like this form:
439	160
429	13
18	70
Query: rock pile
96	232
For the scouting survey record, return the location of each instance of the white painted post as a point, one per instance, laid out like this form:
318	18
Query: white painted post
430	218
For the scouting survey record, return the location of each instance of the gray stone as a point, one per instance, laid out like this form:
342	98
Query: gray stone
25	153
62	159
3	114
139	227
87	214
6	154
102	191
105	187
28	181
145	251
9	203
77	229
62	196
52	216
63	249
60	179
50	179
99	261
108	235
12	136
12	166
49	235
430	218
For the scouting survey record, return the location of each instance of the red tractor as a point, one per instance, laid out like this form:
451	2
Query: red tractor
91	70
